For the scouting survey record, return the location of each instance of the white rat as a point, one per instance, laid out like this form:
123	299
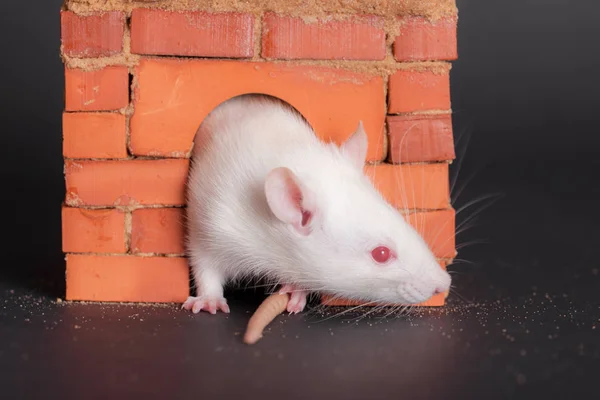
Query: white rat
267	198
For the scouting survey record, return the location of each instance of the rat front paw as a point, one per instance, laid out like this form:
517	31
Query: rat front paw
208	304
297	300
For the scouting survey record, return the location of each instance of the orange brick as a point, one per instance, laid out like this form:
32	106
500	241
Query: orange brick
158	230
285	37
192	33
94	135
420	138
102	90
98	35
437	229
423	40
127	182
173	97
415	186
435	301
418	90
93	231
127	278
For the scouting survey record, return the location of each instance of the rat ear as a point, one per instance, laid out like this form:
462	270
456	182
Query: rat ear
355	148
288	199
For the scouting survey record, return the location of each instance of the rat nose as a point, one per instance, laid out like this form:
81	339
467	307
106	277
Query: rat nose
438	290
443	284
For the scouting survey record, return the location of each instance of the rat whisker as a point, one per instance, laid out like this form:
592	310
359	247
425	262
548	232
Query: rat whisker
461	158
392	310
493	197
363	316
460	261
347	311
453	291
471	243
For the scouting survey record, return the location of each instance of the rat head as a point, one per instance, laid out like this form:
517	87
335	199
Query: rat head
345	238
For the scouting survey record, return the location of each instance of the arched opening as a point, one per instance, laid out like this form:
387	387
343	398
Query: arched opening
199	140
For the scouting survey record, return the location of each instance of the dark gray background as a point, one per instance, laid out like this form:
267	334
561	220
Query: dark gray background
525	90
525	97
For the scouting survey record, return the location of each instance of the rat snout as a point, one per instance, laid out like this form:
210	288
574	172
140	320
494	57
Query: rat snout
431	284
443	282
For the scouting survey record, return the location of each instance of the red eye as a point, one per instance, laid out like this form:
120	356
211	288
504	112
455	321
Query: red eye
381	254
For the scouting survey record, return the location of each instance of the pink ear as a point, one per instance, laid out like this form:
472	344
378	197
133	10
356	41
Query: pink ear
355	148
288	199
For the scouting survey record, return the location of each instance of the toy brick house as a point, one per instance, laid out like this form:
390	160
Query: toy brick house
140	76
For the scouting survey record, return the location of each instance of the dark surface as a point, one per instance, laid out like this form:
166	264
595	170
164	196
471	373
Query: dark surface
530	325
525	94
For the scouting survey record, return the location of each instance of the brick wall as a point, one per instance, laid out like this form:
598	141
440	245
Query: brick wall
139	81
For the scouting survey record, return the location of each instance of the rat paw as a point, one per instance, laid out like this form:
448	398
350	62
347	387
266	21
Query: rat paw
208	304
297	300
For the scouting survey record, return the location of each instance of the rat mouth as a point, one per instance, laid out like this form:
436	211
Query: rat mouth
412	294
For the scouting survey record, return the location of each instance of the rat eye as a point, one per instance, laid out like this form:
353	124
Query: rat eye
381	254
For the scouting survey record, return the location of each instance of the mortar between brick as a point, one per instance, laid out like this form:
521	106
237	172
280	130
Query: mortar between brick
139	255
132	82
373	68
188	154
128	228
431	9
182	255
424	112
258	27
129	208
385	67
410	163
130	110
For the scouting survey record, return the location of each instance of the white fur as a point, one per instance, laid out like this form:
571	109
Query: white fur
234	233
